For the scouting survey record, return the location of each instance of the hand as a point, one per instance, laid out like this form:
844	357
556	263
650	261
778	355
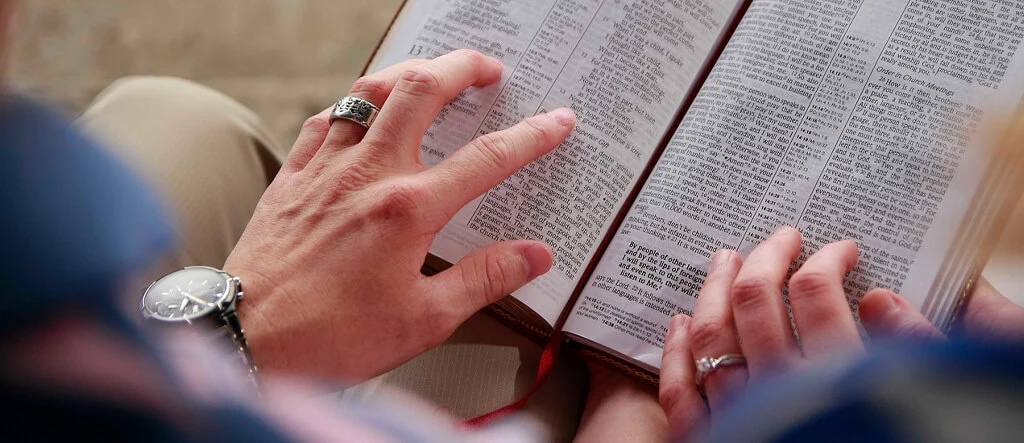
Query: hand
741	310
744	301
988	315
330	261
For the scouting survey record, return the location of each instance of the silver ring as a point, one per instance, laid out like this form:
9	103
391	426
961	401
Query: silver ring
356	110
706	365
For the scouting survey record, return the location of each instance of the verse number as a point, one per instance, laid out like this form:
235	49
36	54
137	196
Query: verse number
416	50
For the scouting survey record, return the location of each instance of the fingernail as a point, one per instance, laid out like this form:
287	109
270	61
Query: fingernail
496	64
538	257
884	308
678	325
719	259
564	116
883	316
892	305
782	229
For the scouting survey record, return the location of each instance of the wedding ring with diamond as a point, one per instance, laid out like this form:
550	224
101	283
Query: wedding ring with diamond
707	365
356	110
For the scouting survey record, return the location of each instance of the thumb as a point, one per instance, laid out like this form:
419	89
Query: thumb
990	314
883	313
490	273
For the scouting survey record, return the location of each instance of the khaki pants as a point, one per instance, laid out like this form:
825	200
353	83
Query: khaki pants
210	159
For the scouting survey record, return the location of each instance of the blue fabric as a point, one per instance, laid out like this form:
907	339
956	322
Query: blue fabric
899	392
44	415
74	221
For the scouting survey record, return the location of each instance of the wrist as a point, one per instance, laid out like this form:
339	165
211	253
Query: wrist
200	302
608	386
620	408
259	329
606	380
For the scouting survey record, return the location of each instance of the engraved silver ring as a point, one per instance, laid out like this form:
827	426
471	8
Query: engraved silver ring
356	110
707	365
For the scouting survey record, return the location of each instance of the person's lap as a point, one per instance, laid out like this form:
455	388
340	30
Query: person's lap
210	160
206	156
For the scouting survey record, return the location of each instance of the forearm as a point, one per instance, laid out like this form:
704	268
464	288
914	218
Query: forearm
621	409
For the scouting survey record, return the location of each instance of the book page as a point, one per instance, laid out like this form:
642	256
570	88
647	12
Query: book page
845	119
624	66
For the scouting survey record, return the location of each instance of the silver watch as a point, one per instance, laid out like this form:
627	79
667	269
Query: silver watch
200	296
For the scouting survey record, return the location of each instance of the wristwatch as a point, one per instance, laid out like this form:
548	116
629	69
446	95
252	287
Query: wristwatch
202	298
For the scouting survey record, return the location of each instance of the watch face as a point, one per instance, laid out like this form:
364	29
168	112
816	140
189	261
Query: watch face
185	295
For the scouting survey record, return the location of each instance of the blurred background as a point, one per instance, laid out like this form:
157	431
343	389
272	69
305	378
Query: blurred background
285	59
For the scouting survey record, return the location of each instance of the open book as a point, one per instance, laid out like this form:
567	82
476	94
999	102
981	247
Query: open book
706	124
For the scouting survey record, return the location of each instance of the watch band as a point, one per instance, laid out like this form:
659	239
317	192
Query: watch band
233	328
220	325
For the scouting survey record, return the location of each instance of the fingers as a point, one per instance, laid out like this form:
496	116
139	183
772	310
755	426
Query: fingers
316	130
374	88
760	313
883	313
419	94
490	273
677	388
713	332
311	138
488	160
819	304
990	314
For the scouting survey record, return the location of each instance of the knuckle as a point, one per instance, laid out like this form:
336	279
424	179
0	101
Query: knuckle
483	277
439	321
912	329
354	175
495	151
375	151
670	394
402	200
810	284
537	130
476	57
496	271
316	123
420	81
316	170
341	180
706	334
370	88
716	279
751	292
474	279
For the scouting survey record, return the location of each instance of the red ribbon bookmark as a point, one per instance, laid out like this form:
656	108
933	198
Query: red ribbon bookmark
547	362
